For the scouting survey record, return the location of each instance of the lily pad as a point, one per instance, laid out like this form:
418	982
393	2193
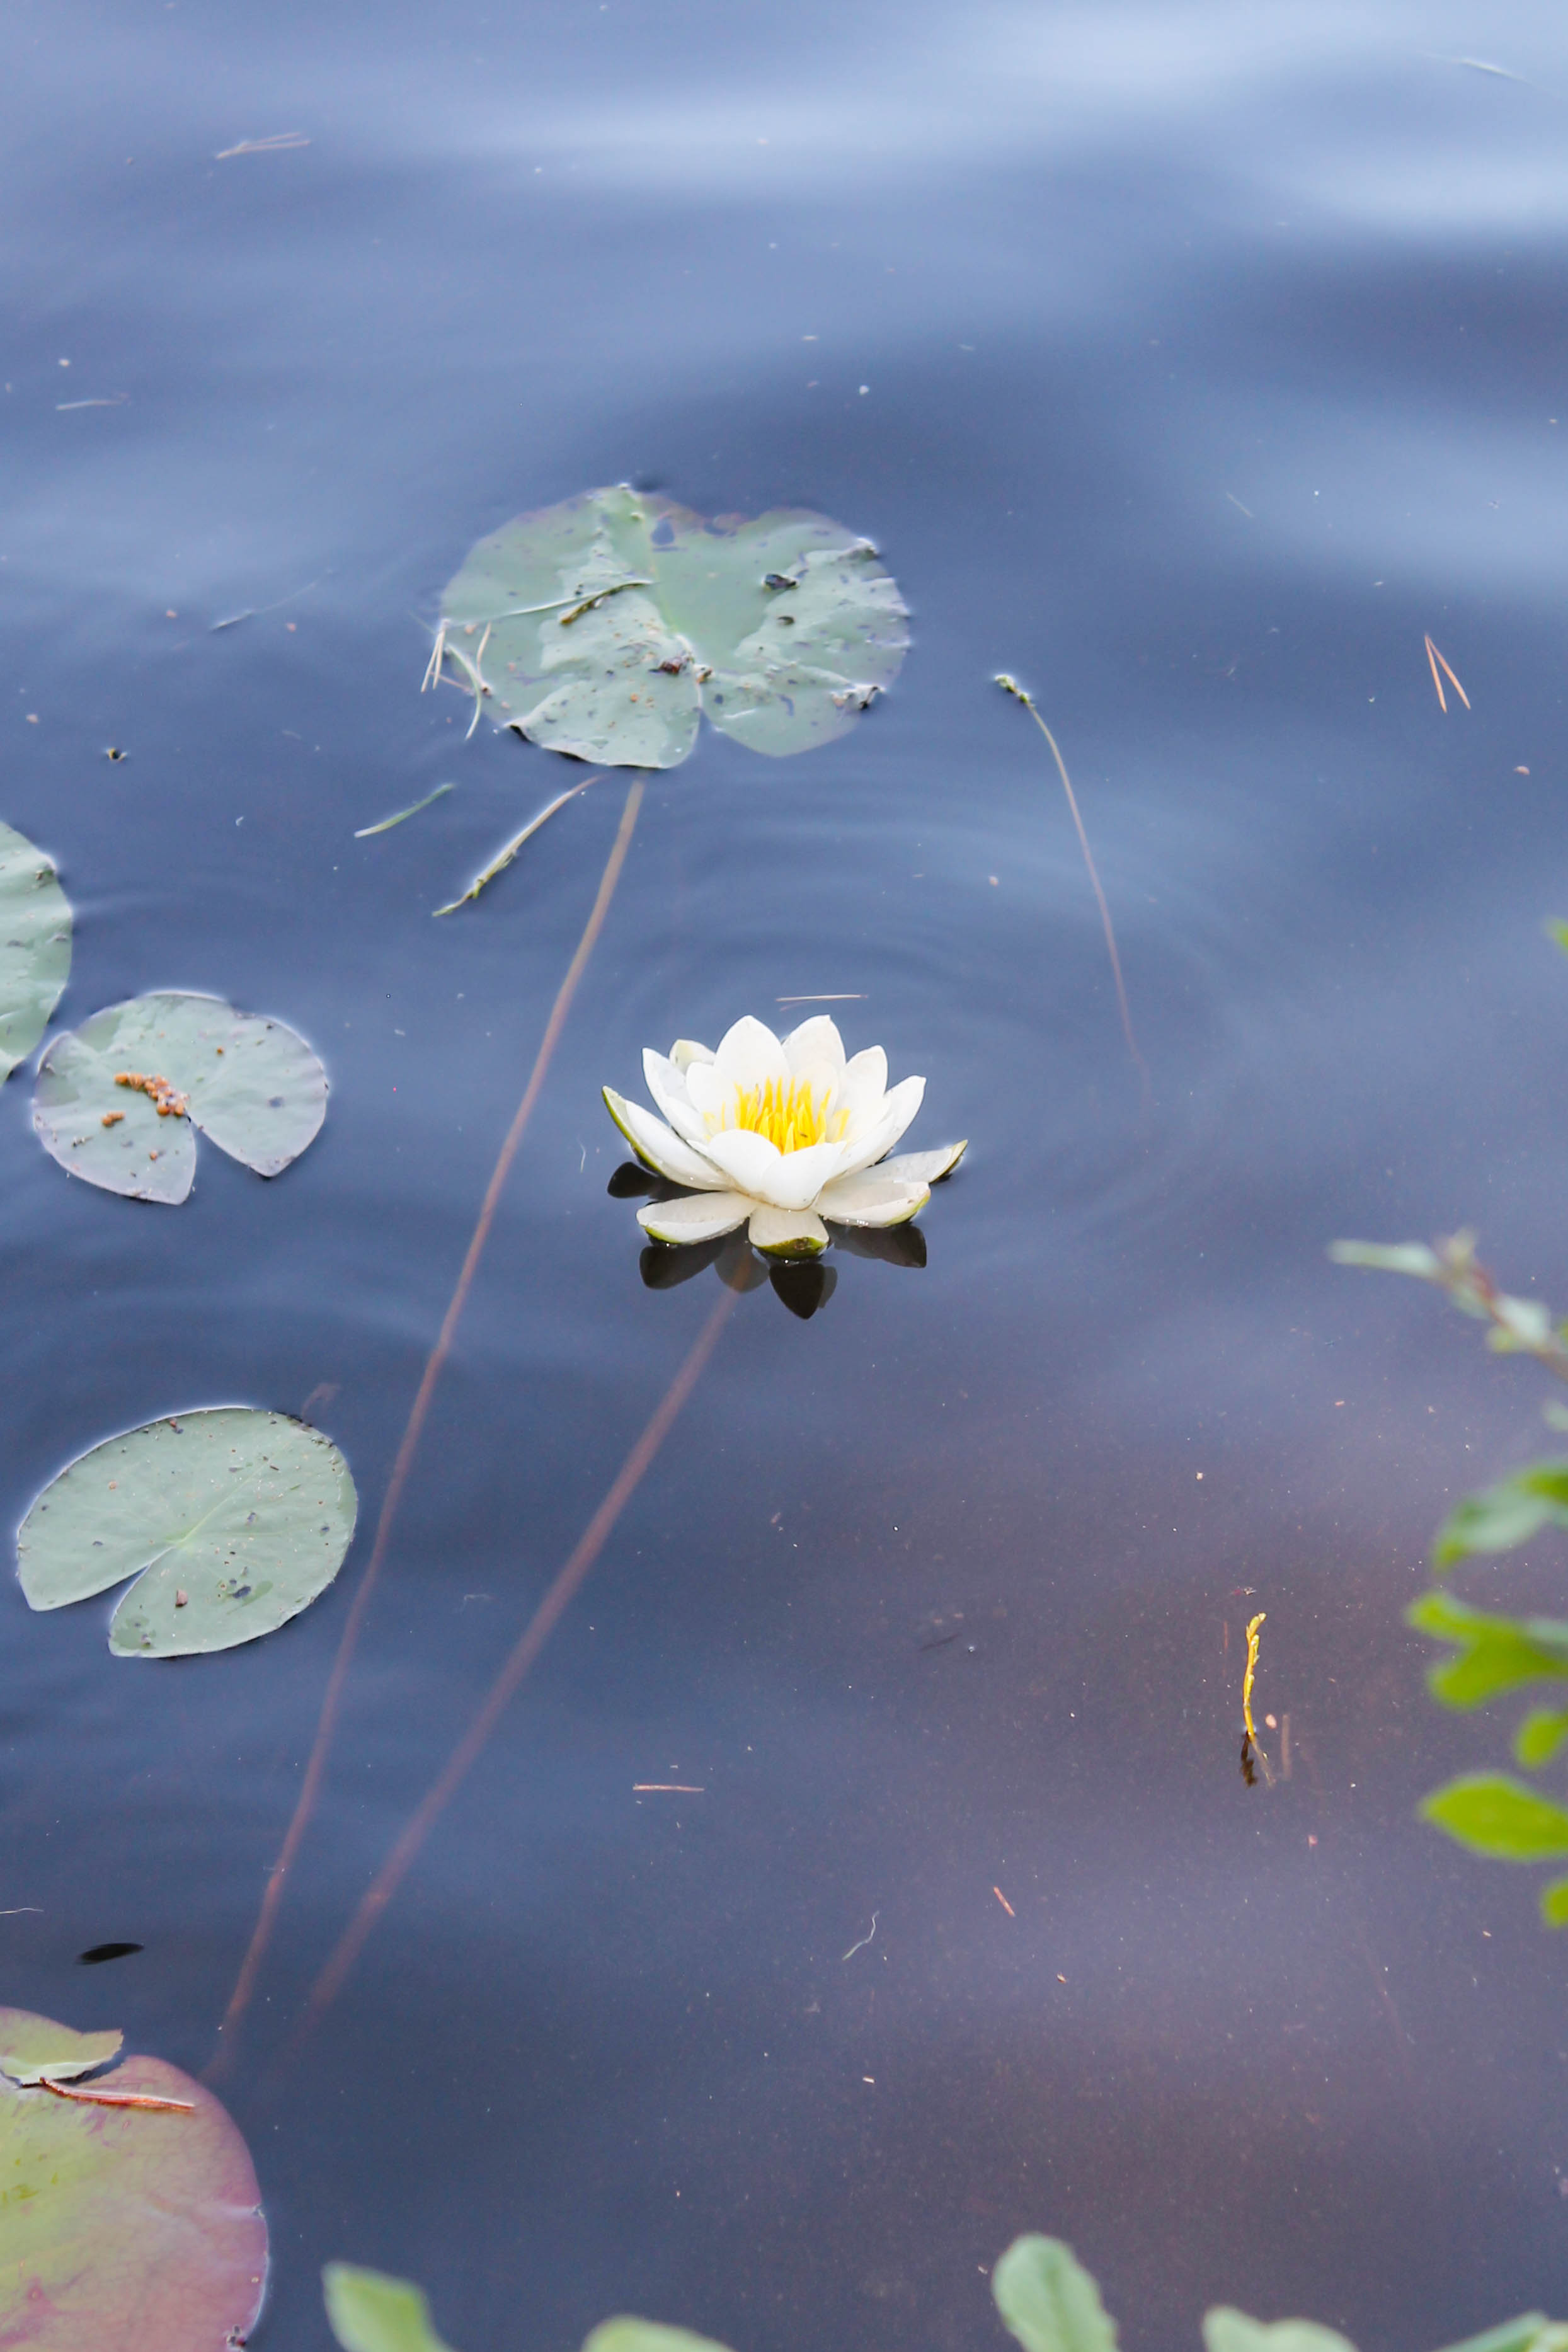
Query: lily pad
34	947
604	627
231	1519
122	2225
118	1099
35	2050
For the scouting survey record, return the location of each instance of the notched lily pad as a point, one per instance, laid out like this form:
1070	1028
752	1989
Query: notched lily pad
122	2225
118	1099
35	2050
604	627
34	947
231	1519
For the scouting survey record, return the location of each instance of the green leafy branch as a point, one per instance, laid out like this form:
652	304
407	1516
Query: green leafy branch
1046	2300
1494	1813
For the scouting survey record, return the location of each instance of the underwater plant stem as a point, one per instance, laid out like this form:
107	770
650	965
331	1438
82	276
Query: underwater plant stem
1020	694
531	1641
250	1968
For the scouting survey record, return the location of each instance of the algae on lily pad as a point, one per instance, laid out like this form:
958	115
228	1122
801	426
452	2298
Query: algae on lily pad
34	947
604	627
133	2226
231	1519
119	1099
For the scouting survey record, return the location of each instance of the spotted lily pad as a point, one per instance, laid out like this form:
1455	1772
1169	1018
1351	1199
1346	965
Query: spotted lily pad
232	1520
119	1099
604	627
34	947
122	2225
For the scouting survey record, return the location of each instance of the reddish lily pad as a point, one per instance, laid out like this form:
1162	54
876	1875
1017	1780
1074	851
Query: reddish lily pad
124	2226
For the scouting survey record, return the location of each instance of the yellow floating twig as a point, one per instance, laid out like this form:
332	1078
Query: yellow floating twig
1261	1619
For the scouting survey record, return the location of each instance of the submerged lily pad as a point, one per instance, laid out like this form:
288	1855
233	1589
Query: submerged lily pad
118	1099
231	1519
602	626
372	2311
34	947
122	2225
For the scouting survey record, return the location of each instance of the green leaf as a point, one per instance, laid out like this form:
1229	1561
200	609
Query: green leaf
371	2312
35	2049
1554	1903
646	2335
231	1519
604	627
124	2226
1398	1257
1049	2301
1495	1815
1521	2334
251	1084
1496	1653
1225	2330
1505	1515
34	947
1558	931
1540	1736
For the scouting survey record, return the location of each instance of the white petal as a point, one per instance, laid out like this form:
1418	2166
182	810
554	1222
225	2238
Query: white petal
685	1052
657	1148
898	1108
815	1048
749	1055
925	1167
862	1090
784	1179
787	1232
871	1198
695	1217
668	1088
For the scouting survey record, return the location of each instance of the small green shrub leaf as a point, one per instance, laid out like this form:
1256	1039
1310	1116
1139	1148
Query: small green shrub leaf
1049	2301
1540	1736
34	947
1225	2330
604	626
232	1520
1495	1653
646	2335
251	1084
1503	1516
1499	1817
371	2312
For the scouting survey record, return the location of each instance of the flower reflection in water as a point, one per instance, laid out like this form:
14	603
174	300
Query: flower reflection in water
786	1138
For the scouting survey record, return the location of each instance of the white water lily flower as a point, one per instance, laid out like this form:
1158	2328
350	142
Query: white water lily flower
777	1134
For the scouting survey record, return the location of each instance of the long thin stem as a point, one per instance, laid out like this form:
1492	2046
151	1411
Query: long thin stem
1010	686
530	1642
272	1897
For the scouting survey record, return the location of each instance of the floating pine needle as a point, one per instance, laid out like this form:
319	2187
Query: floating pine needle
865	1940
503	857
1010	686
120	2099
1435	657
1251	1745
276	142
331	1704
403	815
665	1789
1002	1899
530	1642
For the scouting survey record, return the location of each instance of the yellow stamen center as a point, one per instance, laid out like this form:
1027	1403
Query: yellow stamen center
790	1115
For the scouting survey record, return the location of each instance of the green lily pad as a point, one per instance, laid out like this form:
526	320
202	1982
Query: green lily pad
121	2225
251	1086
604	627
231	1519
371	2312
1049	2301
35	2050
34	947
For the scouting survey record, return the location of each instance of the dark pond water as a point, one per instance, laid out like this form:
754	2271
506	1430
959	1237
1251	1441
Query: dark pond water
1192	361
